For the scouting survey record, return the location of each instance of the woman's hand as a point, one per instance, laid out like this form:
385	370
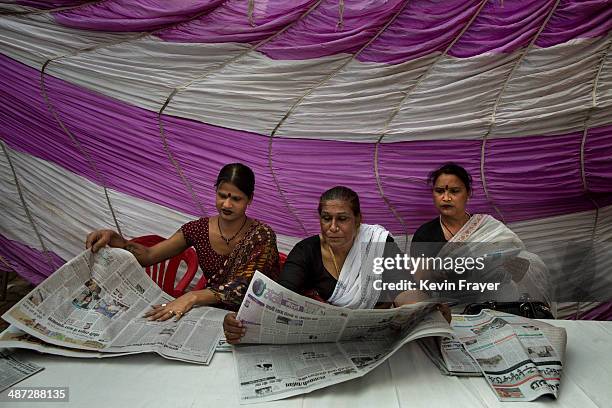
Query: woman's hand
233	328
177	307
100	238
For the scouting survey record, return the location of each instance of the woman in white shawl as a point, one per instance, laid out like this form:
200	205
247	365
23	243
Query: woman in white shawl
334	266
457	234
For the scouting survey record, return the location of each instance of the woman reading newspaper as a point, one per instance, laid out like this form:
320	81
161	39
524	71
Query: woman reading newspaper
457	234
330	266
230	247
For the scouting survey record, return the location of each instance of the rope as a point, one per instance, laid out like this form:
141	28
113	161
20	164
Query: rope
587	123
250	12
73	138
496	105
394	113
340	25
308	92
219	67
25	205
77	144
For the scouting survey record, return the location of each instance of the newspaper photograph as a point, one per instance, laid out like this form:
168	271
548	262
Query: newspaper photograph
96	302
294	345
515	354
14	370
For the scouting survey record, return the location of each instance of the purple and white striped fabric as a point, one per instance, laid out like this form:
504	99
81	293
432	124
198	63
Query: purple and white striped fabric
120	113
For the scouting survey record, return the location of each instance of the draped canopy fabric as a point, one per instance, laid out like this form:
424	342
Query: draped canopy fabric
120	113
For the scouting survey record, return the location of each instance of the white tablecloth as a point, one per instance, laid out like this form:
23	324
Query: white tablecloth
408	379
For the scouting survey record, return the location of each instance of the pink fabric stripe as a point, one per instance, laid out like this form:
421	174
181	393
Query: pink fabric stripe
600	312
422	28
130	15
30	263
329	30
230	22
503	27
597	157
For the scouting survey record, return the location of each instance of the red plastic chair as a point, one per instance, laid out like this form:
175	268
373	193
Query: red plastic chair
281	259
164	273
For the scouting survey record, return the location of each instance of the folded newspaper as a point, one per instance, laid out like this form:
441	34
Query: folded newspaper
522	359
93	306
294	345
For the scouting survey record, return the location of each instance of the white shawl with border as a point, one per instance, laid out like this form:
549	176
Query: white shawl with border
355	288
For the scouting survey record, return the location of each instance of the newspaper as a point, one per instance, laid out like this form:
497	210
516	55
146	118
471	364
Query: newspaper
450	356
294	345
520	358
13	337
96	303
14	370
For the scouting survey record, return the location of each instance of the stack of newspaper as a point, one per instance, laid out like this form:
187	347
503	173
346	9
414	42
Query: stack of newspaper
300	345
522	359
93	306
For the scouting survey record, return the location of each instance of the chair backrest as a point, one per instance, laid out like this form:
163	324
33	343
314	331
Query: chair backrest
282	259
164	272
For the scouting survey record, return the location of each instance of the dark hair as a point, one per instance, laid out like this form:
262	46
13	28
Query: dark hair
343	194
454	169
239	175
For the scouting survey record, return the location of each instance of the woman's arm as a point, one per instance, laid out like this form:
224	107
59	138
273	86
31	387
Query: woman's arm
146	256
181	305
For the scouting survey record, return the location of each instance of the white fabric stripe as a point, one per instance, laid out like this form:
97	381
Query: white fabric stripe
355	103
604	225
603	96
551	91
34	38
253	93
548	94
64	206
15	224
7	7
454	101
143	72
67	206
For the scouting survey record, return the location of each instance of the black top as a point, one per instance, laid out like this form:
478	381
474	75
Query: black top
428	239
304	269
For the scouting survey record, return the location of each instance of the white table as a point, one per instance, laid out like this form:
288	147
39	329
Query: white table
408	379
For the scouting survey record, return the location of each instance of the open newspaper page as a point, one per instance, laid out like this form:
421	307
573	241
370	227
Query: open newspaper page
515	354
304	345
96	302
14	370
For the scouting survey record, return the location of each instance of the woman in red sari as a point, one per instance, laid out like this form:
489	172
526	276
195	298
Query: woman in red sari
230	247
